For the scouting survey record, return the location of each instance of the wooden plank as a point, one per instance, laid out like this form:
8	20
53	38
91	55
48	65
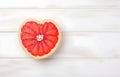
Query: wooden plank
74	45
68	19
59	4
60	68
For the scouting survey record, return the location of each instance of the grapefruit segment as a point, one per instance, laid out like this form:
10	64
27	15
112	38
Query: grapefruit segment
44	28
27	42
35	50
53	32
52	38
49	43
34	27
27	36
26	29
46	48
39	38
41	50
30	47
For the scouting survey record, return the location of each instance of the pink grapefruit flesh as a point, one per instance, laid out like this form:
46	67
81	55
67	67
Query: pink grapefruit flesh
39	39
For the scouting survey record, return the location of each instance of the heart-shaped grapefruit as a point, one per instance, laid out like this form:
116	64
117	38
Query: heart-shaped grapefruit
39	38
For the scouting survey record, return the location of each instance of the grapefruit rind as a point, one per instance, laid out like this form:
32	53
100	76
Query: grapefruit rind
40	22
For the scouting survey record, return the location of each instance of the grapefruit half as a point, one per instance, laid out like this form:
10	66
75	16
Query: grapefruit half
39	39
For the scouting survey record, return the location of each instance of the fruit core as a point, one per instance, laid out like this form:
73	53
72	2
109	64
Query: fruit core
39	37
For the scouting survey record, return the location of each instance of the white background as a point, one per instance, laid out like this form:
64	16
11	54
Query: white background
90	45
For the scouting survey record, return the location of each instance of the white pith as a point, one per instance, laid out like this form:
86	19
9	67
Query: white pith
39	37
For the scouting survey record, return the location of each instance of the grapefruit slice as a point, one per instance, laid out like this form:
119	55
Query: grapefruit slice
39	38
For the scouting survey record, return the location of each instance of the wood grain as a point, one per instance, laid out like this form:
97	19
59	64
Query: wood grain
59	4
74	45
68	19
60	67
90	43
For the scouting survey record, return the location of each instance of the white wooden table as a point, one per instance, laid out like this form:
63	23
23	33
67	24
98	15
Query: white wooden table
90	45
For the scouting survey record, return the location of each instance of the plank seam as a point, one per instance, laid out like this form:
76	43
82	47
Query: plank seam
63	58
67	32
67	8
